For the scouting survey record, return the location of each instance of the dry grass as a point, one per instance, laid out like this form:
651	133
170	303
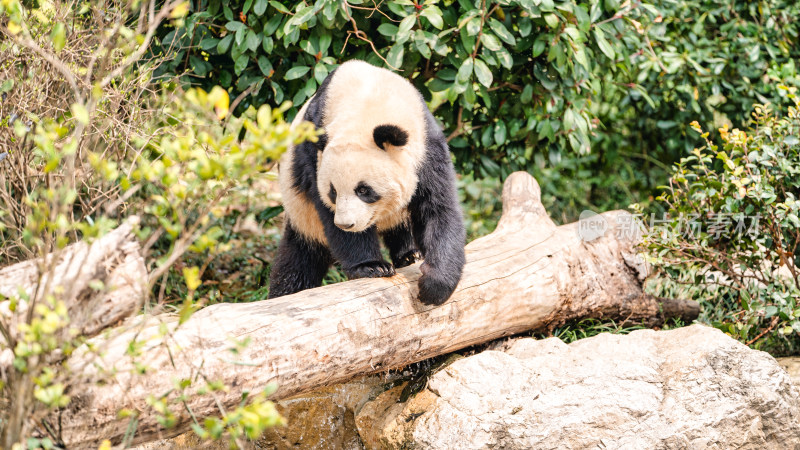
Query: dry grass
97	55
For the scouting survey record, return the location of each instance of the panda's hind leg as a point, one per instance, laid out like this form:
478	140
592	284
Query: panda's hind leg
400	243
300	264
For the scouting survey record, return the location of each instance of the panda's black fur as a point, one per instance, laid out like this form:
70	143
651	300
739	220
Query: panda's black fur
435	230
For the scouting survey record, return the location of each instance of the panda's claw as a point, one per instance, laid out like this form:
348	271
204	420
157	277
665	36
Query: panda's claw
373	269
408	259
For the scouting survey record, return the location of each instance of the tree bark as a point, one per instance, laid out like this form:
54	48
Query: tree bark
527	275
100	283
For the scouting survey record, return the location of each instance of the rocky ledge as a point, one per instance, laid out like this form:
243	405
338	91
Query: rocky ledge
687	388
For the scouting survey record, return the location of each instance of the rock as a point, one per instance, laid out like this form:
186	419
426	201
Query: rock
322	419
186	441
792	365
692	387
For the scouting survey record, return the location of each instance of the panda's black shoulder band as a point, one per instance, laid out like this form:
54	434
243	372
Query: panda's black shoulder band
392	134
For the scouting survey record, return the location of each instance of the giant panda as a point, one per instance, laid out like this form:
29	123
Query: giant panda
381	168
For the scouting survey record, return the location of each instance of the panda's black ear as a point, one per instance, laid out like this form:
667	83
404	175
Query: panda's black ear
392	134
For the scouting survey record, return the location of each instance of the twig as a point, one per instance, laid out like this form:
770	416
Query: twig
241	97
363	36
50	58
459	127
766	330
653	52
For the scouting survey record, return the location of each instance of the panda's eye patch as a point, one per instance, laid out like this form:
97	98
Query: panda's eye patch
366	193
332	194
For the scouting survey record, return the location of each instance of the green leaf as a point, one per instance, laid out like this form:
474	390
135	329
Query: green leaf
279	6
395	56
234	25
247	5
239	35
439	85
80	113
304	15
388	29
573	33
603	44
483	73
296	72
505	58
422	46
240	64
569	120
491	42
324	43
273	24
500	132
465	71
434	16
260	7
252	40
320	72
267	44
308	47
277	92
525	27
527	94
539	46
502	32
551	20
474	26
406	25
6	86
265	65
208	44
59	36
580	57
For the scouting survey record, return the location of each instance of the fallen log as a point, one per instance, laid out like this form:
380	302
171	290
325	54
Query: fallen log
529	274
100	283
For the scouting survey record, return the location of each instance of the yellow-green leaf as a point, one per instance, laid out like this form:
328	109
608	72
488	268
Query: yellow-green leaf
59	36
80	113
179	11
192	277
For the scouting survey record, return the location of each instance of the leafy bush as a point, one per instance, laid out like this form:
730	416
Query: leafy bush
733	230
711	61
715	60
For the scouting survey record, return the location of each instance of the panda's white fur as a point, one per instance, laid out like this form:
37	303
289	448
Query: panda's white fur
352	111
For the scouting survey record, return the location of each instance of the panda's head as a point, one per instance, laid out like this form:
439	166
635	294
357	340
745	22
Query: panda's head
367	180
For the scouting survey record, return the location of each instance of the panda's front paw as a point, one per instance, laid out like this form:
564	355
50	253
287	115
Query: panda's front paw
373	269
434	289
408	259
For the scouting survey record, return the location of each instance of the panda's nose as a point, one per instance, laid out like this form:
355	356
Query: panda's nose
345	226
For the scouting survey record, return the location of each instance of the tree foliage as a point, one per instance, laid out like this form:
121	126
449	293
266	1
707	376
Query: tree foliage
716	60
